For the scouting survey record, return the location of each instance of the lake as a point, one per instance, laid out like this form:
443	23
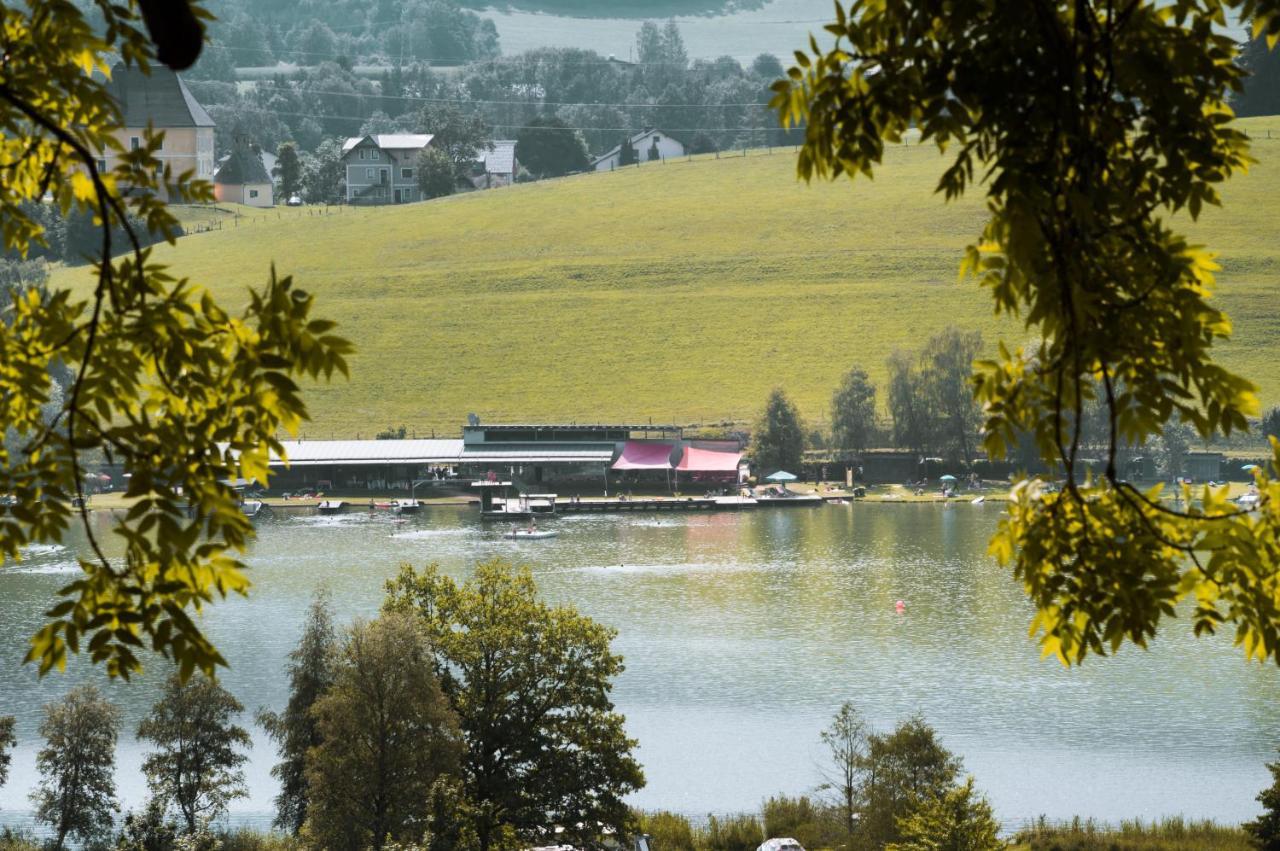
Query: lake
742	634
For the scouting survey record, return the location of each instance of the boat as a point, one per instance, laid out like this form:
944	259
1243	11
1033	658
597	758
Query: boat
978	500
330	506
735	502
406	506
529	534
254	508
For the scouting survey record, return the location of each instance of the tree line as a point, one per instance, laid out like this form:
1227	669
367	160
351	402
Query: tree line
931	411
709	104
466	715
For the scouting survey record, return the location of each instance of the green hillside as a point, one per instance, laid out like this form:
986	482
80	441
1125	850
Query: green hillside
681	292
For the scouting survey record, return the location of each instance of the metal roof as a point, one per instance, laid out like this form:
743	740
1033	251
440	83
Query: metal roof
392	141
315	452
530	455
500	160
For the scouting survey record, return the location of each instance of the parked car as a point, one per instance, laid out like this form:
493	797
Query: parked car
780	844
294	201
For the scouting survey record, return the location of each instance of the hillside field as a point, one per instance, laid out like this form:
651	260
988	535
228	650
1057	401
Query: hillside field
679	292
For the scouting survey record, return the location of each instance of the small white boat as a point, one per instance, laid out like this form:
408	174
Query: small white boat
529	534
254	507
406	506
978	500
331	506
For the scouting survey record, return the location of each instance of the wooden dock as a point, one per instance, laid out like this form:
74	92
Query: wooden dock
642	504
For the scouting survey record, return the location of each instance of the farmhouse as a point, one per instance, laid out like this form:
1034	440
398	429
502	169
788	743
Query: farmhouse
163	101
648	144
382	168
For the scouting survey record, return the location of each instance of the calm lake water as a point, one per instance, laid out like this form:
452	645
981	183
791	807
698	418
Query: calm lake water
742	634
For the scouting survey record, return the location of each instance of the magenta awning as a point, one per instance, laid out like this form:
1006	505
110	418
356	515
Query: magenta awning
709	461
640	455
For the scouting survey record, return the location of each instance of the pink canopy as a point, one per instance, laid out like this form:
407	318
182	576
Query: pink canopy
709	461
639	455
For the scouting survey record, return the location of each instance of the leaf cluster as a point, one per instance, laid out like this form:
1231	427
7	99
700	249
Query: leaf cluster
184	396
1090	126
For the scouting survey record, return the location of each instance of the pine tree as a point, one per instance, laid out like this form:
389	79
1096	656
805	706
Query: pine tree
778	439
627	154
295	731
1265	829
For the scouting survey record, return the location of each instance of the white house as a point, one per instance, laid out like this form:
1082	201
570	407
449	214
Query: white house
242	178
649	145
495	166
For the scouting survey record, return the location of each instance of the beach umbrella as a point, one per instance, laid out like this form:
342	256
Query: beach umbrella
781	476
947	478
1249	467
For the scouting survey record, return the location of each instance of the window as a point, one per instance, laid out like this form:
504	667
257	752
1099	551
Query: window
406	173
373	155
368	173
253	193
102	165
657	139
134	143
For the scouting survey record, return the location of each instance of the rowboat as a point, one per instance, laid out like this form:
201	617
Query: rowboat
529	534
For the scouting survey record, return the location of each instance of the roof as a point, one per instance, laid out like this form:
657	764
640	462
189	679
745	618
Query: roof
644	455
492	454
160	98
314	452
500	160
634	139
709	461
391	141
242	165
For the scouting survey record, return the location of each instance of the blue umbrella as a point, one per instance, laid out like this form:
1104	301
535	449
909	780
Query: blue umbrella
947	478
781	476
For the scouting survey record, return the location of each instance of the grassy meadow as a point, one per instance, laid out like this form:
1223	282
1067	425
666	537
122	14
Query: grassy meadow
680	292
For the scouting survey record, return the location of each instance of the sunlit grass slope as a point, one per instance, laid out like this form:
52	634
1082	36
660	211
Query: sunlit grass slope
679	292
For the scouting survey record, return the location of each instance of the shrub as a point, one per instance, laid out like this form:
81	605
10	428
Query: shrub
667	831
734	833
802	819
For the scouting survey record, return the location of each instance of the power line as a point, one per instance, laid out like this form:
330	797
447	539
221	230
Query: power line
478	101
495	124
500	60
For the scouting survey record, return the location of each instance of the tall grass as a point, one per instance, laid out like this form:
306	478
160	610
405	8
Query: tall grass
1174	834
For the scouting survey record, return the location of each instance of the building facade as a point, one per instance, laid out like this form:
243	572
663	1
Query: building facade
649	145
382	168
162	101
242	178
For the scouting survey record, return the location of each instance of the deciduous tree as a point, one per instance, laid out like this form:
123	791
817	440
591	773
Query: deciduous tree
908	405
437	176
7	741
777	442
288	169
295	731
946	364
196	764
386	735
530	684
853	411
957	820
1091	125
183	395
460	135
548	147
846	743
77	792
902	770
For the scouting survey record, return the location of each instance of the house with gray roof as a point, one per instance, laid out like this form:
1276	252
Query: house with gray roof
242	178
163	101
382	168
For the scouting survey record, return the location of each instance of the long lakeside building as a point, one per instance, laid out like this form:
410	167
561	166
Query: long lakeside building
533	454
